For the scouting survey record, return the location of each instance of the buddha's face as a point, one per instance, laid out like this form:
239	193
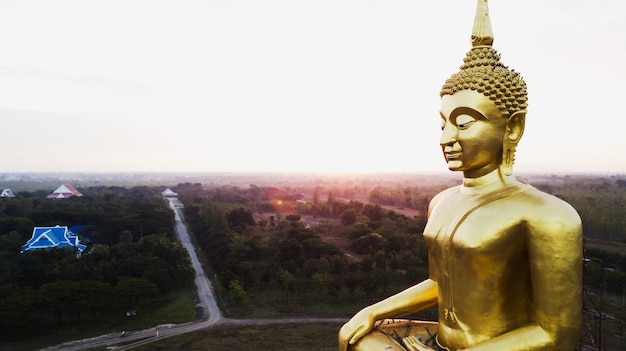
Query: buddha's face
472	133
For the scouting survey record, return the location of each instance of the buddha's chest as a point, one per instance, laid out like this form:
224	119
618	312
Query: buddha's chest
493	231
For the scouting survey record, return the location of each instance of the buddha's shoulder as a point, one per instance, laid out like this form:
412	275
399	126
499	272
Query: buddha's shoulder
443	195
446	193
543	206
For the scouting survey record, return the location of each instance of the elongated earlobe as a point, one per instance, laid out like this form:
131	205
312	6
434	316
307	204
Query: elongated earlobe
514	131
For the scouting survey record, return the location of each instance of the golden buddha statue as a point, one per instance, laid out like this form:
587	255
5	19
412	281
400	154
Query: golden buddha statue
505	259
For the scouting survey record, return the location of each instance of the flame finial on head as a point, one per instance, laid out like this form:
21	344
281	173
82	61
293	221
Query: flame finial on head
482	34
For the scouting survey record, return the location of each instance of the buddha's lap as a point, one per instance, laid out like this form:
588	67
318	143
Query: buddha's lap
388	335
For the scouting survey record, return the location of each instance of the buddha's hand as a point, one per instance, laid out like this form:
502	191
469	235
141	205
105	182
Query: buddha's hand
361	324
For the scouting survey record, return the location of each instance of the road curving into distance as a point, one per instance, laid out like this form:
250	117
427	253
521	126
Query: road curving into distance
211	314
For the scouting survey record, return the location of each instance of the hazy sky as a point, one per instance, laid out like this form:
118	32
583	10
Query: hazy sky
289	85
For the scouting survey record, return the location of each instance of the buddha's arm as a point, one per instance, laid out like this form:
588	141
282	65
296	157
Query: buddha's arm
413	299
555	256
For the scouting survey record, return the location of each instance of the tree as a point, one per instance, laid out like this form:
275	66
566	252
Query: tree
370	243
18	313
92	298
135	292
240	218
287	282
30	269
373	212
293	218
321	283
126	236
236	294
16	224
59	296
348	217
316	195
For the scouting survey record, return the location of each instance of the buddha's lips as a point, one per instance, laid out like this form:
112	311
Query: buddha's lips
453	155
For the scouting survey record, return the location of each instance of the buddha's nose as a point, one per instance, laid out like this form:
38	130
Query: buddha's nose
449	135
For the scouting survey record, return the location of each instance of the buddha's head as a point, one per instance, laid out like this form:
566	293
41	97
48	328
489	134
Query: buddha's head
483	108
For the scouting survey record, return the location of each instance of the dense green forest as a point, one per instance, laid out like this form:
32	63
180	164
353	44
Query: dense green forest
300	250
317	245
132	260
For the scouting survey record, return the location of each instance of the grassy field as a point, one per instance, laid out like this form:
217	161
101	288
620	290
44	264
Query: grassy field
269	303
278	337
611	246
180	308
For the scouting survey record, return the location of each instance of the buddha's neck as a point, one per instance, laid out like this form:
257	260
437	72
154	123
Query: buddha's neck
487	183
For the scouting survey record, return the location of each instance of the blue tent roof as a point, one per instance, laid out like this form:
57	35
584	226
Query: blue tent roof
53	237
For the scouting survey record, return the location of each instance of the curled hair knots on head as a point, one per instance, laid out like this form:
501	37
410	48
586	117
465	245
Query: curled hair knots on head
483	72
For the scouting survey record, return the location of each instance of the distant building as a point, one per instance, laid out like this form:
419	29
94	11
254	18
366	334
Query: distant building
64	191
53	237
168	193
7	193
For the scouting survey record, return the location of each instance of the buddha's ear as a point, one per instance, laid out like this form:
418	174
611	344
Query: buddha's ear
515	126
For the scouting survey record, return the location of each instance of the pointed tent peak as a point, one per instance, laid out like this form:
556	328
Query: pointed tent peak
7	193
64	191
168	193
482	34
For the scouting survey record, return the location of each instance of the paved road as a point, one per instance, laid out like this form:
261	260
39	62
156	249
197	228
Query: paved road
211	312
212	316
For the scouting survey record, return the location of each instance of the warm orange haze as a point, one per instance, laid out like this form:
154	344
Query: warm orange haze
315	86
